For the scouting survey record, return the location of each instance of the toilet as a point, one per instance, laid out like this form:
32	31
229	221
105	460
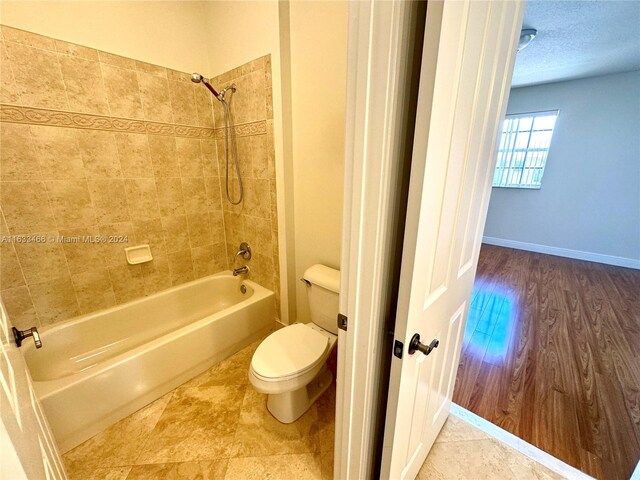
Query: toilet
290	364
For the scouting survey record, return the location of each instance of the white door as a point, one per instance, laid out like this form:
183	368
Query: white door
27	449
468	57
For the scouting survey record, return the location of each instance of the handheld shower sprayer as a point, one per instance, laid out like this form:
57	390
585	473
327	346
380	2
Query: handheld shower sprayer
229	135
197	78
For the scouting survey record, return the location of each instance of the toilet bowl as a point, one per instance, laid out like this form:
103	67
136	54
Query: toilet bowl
290	364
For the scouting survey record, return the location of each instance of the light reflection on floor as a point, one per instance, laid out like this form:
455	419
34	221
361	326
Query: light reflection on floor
492	318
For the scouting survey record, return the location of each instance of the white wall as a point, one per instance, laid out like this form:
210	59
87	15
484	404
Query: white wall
318	77
169	33
590	195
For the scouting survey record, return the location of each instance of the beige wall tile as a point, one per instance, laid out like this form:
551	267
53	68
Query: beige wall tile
260	157
177	76
71	203
194	194
27	38
117	60
93	290
8	89
18	160
180	267
113	253
220	256
209	157
204	107
200	230
212	190
10	269
42	261
176	233
54	300
127	282
217	226
123	92
258	198
26	207
38	77
183	102
20	308
150	232
109	200
133	152
99	154
170	197
204	261
154	92
142	198
156	275
250	101
164	156
57	152
83	256
75	50
151	69
85	88
189	156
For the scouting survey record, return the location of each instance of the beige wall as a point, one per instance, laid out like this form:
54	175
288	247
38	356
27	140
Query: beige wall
125	149
318	75
169	33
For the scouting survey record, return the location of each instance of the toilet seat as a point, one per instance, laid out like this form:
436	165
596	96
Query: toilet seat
288	352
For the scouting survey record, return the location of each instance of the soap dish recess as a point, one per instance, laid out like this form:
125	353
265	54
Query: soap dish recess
138	254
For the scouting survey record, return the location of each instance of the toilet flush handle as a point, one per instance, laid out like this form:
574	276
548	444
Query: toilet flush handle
305	281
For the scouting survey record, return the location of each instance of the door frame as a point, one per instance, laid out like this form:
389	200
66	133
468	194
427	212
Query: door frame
382	38
379	38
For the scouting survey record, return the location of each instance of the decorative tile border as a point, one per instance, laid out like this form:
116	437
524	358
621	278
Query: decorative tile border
41	116
246	129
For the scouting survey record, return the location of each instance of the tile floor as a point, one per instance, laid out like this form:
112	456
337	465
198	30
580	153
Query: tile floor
217	427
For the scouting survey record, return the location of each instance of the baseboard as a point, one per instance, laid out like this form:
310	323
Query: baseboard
564	252
534	453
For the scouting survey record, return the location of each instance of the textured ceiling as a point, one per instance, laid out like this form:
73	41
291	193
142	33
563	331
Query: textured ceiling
578	39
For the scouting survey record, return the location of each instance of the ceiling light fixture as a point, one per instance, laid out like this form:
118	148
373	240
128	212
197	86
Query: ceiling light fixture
526	37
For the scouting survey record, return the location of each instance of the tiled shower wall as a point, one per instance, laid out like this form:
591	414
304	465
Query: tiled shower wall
94	144
255	220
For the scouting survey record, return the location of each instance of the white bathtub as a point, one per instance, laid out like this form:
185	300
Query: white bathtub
96	369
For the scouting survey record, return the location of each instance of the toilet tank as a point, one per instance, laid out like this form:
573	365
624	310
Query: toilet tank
323	289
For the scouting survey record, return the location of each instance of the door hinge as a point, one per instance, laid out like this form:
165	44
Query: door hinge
342	322
398	347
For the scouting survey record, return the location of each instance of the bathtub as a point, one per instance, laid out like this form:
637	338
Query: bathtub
96	369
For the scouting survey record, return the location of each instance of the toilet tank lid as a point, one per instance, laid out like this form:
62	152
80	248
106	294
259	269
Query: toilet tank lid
323	276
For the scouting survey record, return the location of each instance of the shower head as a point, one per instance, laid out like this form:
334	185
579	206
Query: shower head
197	78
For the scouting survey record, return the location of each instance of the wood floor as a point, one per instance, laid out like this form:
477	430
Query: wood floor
551	353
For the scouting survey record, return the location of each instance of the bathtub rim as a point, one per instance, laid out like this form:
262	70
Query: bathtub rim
48	387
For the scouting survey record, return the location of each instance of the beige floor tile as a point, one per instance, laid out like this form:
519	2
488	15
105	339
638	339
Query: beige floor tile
463	460
232	371
525	468
276	467
214	470
455	429
259	433
119	445
199	423
108	473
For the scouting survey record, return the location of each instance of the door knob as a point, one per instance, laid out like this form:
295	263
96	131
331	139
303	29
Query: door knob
421	347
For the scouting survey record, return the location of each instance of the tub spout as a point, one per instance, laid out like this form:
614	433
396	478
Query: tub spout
240	271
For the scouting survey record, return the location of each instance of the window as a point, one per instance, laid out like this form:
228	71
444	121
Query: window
523	150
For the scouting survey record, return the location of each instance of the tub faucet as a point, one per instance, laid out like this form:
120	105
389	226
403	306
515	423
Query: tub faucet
240	271
244	251
20	335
